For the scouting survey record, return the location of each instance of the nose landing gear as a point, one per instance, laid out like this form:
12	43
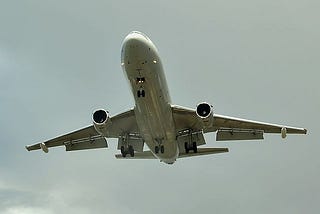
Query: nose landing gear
141	93
140	81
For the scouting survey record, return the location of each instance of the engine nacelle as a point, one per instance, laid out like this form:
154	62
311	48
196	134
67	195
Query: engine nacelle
205	113
101	120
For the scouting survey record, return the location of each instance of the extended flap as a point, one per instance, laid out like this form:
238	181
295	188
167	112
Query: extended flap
88	144
231	134
204	151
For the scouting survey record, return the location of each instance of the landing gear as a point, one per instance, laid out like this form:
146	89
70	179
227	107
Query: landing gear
131	151
157	149
141	93
194	147
162	149
188	148
124	152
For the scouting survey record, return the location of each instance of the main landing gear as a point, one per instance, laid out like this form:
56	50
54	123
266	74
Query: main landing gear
191	147
124	151
158	149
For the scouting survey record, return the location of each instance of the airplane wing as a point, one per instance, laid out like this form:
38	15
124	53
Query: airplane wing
138	155
89	138
230	128
183	154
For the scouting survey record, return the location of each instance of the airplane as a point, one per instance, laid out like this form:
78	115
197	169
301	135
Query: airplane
169	131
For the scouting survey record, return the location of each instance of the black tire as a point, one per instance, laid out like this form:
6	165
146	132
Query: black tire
186	147
156	149
123	152
194	147
131	151
143	93
162	149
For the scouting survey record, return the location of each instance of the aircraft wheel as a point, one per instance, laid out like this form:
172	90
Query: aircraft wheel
123	152
141	93
162	149
156	149
194	147
131	151
186	147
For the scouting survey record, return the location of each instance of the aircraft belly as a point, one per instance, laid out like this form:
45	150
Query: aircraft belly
154	119
144	71
154	116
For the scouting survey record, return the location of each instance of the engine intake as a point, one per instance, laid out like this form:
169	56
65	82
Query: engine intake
204	110
205	113
100	116
100	121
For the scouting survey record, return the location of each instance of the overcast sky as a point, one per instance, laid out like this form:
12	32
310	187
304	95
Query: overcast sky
60	60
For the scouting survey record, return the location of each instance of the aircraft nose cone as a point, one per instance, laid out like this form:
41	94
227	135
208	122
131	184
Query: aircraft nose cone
135	38
136	35
135	45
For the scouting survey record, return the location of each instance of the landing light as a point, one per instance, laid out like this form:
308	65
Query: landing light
154	61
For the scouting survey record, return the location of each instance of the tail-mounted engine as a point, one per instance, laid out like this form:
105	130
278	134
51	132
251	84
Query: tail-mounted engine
205	113
101	120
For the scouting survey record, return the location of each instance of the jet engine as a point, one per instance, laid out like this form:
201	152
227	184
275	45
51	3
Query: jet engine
205	113
100	121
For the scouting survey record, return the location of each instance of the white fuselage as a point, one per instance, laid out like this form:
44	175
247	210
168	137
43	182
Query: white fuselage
142	65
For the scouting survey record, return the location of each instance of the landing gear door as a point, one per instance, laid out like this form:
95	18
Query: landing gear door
189	138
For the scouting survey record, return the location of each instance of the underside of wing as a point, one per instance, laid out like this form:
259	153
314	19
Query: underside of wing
229	128
203	151
186	118
85	137
123	123
89	138
221	121
200	152
138	155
